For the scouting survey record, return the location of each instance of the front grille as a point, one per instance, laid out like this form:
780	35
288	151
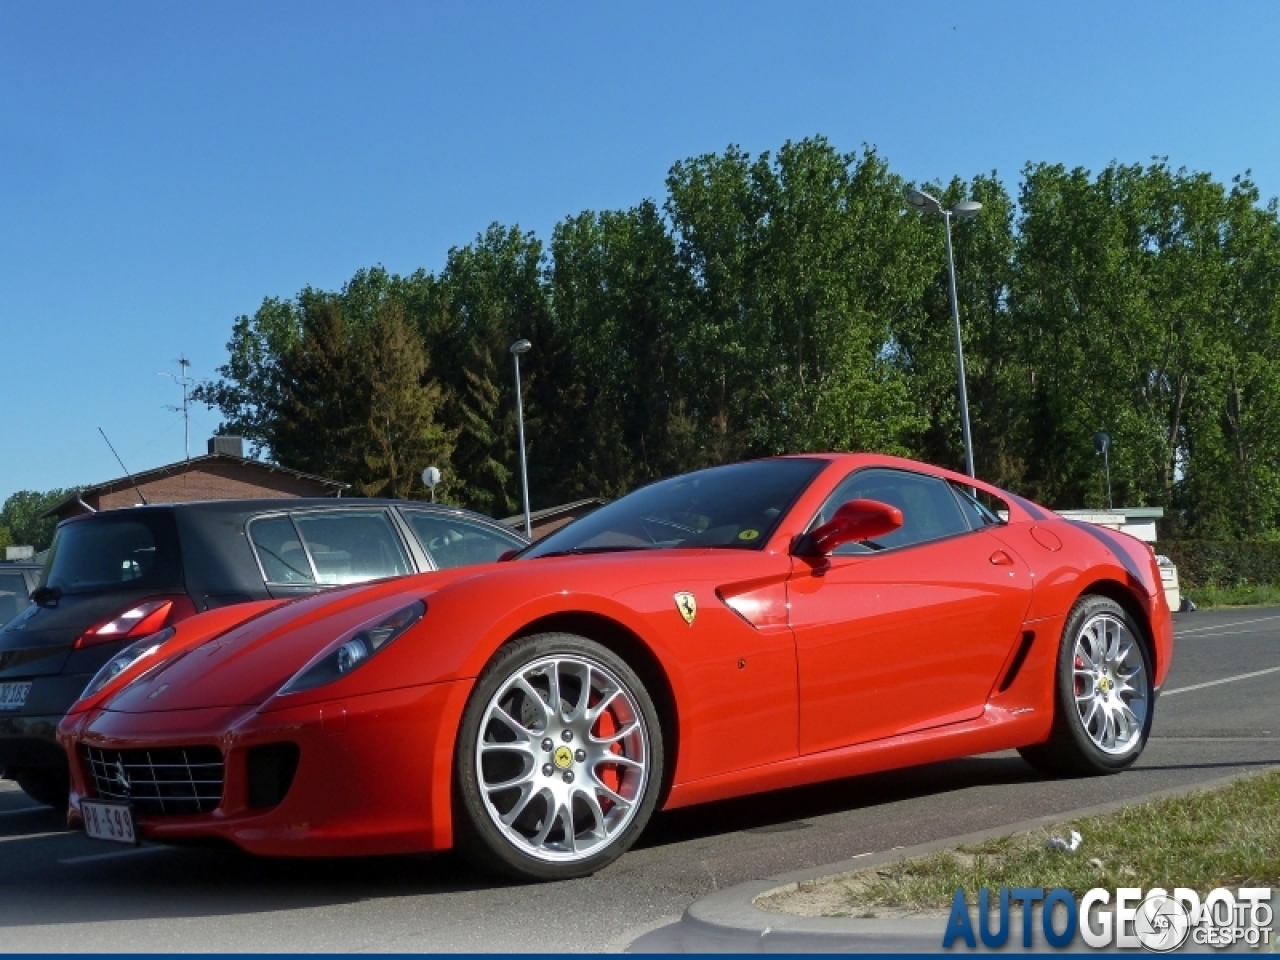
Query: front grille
174	781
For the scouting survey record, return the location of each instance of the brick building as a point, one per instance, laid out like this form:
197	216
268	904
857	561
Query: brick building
224	473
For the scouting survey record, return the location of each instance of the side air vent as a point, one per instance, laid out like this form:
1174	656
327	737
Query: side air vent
1019	658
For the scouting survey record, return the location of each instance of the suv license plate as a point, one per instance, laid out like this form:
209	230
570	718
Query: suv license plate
108	821
13	696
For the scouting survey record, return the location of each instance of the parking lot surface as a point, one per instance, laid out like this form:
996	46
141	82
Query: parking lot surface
1219	714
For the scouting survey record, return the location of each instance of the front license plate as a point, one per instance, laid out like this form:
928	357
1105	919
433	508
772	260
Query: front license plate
13	696
108	821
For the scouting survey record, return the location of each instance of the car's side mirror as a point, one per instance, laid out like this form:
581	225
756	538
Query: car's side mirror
855	521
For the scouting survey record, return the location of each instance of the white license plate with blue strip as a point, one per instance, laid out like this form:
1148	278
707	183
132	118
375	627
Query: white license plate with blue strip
13	696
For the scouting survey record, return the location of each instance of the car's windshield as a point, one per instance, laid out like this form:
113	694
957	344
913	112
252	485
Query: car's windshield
735	506
105	553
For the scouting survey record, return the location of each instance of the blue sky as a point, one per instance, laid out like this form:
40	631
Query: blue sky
165	166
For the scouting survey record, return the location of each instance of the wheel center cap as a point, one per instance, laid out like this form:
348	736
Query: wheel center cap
563	757
1105	684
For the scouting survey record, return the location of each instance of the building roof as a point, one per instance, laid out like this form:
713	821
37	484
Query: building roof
552	513
182	466
1115	515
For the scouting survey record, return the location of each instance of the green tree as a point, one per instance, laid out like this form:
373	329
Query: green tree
620	305
1146	295
351	401
799	265
23	516
247	390
491	294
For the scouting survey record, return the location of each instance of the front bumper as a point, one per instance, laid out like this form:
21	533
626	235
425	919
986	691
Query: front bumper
374	773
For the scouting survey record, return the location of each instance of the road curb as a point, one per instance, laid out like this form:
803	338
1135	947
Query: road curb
729	921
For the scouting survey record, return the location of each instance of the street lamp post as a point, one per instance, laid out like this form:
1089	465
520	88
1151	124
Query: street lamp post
1102	443
517	348
966	211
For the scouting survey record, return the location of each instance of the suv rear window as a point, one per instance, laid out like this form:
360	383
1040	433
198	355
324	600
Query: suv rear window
104	553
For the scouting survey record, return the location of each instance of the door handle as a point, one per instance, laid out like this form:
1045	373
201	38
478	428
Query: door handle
1001	559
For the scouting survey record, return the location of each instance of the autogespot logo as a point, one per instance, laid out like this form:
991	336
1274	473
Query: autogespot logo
1155	920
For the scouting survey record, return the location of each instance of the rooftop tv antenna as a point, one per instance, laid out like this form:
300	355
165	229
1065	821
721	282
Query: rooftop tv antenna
136	488
184	381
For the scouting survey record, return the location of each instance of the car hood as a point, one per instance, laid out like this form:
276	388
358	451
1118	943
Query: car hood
249	664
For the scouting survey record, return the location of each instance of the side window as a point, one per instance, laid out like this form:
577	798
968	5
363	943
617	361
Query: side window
279	550
13	596
977	515
454	542
348	547
929	511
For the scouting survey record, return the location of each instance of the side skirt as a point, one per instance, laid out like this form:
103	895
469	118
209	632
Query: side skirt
997	729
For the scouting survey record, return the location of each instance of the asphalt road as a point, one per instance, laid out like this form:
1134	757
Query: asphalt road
62	891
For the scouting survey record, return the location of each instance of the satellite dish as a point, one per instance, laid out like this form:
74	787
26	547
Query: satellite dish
430	479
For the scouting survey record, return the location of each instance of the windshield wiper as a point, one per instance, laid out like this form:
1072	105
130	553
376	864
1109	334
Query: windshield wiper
583	551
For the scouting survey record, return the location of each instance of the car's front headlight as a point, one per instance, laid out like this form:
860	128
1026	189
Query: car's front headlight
352	649
126	658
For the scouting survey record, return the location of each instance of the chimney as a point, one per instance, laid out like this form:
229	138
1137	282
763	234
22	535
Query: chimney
230	446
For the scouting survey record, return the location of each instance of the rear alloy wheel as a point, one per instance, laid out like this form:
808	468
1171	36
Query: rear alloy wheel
558	761
1103	693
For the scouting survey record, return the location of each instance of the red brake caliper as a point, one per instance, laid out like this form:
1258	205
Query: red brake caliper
607	726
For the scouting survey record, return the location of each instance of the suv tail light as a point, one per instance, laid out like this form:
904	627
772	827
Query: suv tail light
141	620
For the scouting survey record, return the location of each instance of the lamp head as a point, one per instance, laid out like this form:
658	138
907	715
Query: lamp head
923	202
521	346
967	209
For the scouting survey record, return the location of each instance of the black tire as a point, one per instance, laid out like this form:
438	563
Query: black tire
477	837
49	787
1070	749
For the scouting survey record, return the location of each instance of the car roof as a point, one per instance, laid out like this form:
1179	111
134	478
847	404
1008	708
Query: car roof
271	504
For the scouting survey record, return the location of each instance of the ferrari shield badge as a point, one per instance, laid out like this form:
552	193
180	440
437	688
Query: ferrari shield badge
687	605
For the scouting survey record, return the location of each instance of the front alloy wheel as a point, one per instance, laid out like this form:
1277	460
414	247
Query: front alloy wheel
559	759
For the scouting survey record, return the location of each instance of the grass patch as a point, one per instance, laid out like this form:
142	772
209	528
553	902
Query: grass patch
1222	838
1241	595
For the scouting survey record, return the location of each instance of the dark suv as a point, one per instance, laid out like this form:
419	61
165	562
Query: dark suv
118	575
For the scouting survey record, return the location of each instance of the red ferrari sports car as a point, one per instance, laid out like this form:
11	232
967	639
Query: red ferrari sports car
743	628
